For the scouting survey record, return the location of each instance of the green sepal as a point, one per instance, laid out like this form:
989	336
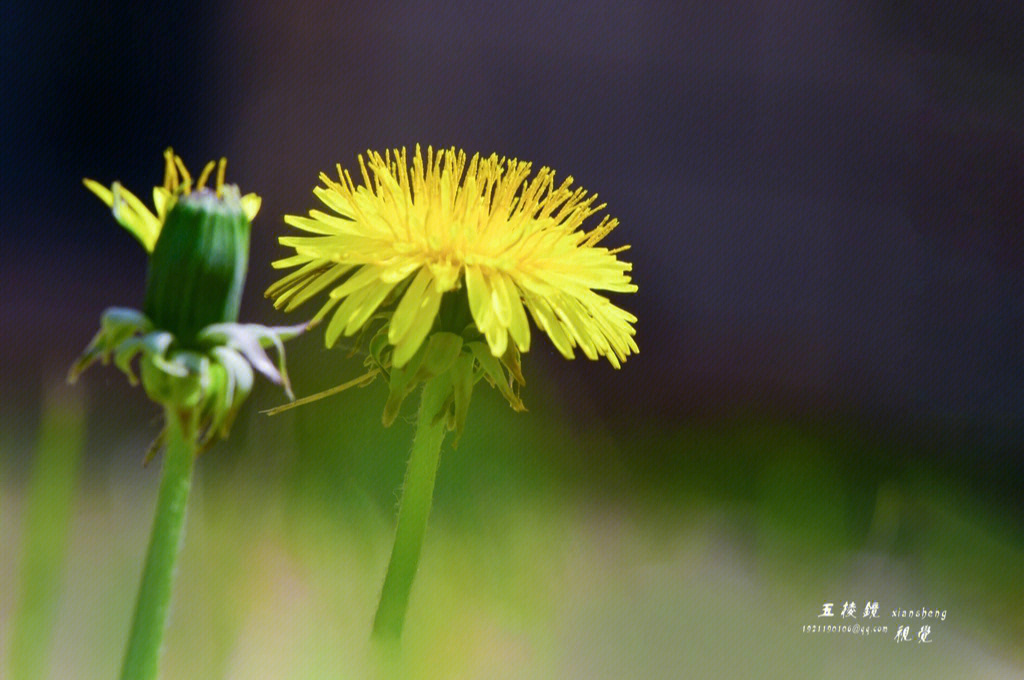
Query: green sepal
184	388
378	344
230	382
442	351
463	378
248	340
155	447
510	360
433	358
198	265
153	344
495	374
217	402
116	325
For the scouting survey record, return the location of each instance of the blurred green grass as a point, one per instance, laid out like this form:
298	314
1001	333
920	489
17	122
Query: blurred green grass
49	498
642	549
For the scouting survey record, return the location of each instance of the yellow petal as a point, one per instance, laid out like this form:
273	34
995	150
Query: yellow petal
550	324
328	306
497	339
478	291
501	301
409	307
519	326
317	285
293	261
283	289
251	205
578	326
162	201
335	327
309	224
367	275
398	269
333	200
421	325
133	215
361	305
446	275
104	193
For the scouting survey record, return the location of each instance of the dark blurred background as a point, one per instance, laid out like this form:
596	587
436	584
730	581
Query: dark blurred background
824	201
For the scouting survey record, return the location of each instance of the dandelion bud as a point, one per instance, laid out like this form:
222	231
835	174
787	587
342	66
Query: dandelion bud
198	265
192	355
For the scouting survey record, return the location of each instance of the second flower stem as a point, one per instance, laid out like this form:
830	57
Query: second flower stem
414	510
143	655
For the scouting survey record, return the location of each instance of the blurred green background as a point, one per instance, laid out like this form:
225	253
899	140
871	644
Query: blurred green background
553	550
823	200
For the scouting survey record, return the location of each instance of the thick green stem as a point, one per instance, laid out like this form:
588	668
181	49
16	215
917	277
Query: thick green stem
143	655
413	511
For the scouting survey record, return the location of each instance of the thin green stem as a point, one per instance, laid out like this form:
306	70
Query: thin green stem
413	511
143	655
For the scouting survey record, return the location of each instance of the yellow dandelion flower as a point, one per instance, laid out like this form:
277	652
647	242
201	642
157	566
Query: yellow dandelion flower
447	257
409	234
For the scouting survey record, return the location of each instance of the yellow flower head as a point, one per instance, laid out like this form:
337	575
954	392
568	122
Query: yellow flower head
410	234
132	214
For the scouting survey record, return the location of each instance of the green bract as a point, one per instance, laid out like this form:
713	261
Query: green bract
213	376
454	351
197	269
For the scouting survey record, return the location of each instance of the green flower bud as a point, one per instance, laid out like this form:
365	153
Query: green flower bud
198	265
192	354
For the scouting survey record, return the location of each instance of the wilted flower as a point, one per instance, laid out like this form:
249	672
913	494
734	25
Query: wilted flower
194	359
194	355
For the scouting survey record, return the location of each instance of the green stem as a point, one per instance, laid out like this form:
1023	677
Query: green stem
413	511
143	655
